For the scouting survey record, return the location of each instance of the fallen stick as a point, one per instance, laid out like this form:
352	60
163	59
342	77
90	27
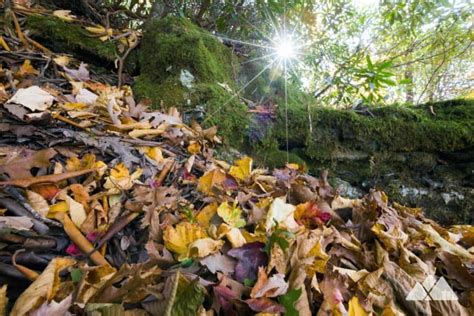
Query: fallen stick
166	169
81	242
52	178
13	192
27	272
14	207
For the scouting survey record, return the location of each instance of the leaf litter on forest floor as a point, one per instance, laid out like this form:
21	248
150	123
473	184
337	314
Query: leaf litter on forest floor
148	221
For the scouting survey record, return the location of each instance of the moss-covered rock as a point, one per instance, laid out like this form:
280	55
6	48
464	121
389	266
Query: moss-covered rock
420	158
390	128
173	47
65	37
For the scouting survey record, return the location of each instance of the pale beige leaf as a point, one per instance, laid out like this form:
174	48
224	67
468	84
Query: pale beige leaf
204	247
38	202
16	222
44	288
33	98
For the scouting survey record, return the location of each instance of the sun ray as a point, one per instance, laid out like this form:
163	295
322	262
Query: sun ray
240	90
258	58
243	42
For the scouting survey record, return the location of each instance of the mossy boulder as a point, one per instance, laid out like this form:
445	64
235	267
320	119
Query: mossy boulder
421	155
174	45
184	66
61	36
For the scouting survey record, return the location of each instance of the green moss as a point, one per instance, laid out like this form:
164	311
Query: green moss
67	37
391	129
167	93
172	44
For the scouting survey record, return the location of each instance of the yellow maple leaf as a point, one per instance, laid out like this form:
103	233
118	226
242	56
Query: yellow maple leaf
232	215
76	164
121	179
242	169
194	148
210	179
154	153
26	69
177	239
205	215
355	309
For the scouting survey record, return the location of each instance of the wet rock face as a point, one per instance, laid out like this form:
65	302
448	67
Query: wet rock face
443	187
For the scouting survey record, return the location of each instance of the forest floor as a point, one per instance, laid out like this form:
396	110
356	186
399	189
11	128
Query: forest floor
108	206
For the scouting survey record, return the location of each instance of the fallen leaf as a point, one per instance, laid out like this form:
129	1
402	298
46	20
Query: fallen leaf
242	169
289	300
355	309
210	179
434	238
86	97
80	74
42	289
177	239
232	215
26	69
283	214
249	258
204	247
16	222
219	262
265	305
64	15
204	216
62	60
194	148
19	164
38	202
269	287
33	98
76	210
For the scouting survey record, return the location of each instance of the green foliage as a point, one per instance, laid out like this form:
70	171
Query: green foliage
288	301
76	275
188	299
279	237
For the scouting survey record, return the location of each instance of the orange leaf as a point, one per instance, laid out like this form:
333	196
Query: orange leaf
52	178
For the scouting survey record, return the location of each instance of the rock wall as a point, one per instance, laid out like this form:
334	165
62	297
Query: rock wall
421	156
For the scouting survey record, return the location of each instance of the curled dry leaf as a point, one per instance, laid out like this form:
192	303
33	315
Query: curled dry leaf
43	289
38	202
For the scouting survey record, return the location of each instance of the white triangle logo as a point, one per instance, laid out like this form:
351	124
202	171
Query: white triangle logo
418	293
441	291
432	290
